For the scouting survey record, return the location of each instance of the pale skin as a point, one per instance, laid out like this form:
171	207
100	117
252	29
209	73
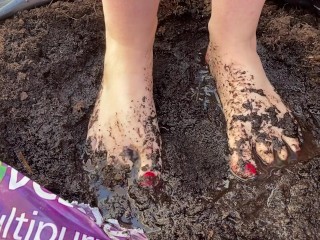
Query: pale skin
124	120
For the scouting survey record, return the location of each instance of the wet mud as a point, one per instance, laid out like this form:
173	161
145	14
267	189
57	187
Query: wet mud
51	61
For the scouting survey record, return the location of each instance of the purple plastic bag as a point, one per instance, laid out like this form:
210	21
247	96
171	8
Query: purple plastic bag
29	212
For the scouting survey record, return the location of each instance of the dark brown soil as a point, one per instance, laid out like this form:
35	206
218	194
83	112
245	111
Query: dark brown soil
51	61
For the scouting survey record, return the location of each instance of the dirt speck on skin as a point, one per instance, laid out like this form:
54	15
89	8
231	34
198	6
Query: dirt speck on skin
55	55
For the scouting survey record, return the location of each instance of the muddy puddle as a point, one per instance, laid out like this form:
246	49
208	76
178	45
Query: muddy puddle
50	72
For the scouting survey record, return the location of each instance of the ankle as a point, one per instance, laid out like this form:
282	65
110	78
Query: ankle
133	35
231	41
117	52
130	73
237	54
120	61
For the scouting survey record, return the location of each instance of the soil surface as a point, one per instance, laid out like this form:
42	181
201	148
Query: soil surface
51	61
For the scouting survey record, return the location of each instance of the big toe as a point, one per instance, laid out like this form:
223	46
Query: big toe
243	169
241	161
149	167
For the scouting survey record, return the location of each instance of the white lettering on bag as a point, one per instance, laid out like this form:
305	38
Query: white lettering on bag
42	226
21	220
7	227
14	183
38	190
2	219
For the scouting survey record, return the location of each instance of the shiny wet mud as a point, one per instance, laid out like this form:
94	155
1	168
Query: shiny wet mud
51	78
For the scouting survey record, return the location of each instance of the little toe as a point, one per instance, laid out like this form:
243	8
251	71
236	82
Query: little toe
293	143
92	143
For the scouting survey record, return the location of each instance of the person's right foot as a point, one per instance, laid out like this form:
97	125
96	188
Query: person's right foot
124	122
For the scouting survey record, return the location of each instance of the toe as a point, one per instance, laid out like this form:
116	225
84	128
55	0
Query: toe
128	156
149	179
149	175
92	143
265	152
293	143
150	166
282	153
279	146
240	143
241	163
241	168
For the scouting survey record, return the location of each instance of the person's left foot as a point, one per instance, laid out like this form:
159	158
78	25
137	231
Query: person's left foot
256	117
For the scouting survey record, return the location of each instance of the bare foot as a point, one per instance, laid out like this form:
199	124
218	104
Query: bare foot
257	119
124	122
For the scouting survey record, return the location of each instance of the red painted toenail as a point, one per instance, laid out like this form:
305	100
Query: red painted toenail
149	179
149	174
251	169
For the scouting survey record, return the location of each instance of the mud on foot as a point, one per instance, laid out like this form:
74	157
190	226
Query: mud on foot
260	128
124	140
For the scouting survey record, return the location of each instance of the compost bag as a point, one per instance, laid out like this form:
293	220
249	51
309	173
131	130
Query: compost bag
30	212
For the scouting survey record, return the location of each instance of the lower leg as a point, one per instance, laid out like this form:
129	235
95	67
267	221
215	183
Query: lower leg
255	114
124	119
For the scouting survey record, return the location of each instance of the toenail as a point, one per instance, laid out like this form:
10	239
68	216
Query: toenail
149	179
251	169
